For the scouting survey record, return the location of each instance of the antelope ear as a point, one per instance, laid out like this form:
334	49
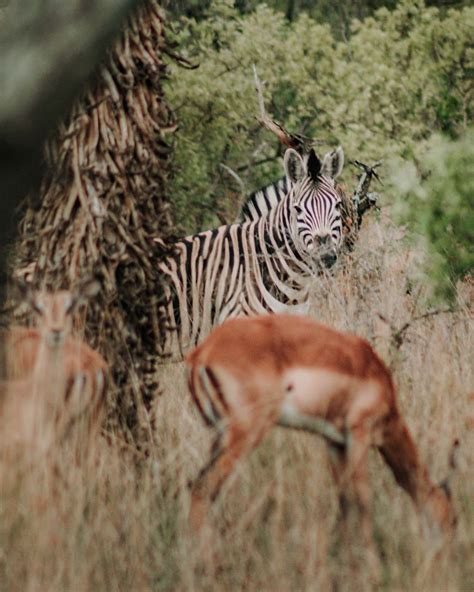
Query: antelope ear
314	165
21	288
84	292
295	168
89	289
333	163
24	291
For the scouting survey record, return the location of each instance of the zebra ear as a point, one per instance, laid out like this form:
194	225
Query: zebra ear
333	163
295	168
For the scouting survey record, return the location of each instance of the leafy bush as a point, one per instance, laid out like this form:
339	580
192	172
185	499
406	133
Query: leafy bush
401	76
441	208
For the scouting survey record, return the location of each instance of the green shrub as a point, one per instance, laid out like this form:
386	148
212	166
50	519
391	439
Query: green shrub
440	208
401	76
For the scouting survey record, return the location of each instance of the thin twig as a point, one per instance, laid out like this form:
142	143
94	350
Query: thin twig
235	176
397	334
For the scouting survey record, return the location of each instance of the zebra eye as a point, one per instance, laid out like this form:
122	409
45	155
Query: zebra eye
338	206
298	209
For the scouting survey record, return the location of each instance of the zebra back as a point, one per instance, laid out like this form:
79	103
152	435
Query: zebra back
263	200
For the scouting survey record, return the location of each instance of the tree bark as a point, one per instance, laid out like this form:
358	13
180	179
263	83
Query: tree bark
101	204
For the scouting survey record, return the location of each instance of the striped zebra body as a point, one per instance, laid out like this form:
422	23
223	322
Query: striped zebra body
263	200
264	265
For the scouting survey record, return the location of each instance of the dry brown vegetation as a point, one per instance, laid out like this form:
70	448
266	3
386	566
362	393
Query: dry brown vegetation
120	522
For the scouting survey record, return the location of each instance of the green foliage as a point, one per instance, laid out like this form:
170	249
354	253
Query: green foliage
338	13
441	208
401	76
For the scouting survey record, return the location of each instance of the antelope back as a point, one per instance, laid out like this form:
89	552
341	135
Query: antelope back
266	345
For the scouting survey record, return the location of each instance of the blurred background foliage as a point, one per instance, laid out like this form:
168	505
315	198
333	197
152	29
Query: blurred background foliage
379	78
336	12
436	200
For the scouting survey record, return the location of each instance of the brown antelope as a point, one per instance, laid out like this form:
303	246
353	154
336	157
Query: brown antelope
253	373
54	380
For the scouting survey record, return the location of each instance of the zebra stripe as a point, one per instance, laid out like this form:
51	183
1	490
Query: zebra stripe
264	265
263	200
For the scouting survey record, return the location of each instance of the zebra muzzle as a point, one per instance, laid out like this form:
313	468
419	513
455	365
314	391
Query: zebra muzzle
325	253
328	258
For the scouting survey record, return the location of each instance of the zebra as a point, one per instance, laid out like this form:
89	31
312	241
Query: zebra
264	199
257	266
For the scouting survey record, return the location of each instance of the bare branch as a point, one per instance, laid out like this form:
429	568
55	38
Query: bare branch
397	334
300	143
235	176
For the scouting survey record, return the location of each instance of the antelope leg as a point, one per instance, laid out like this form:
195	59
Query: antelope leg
291	418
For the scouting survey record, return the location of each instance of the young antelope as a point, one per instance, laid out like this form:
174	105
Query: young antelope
55	381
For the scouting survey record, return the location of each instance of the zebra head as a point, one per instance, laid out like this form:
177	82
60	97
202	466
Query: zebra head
315	203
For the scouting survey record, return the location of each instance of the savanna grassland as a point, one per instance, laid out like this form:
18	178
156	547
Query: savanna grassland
396	86
118	522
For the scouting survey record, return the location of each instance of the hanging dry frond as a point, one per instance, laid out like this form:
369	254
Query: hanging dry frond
300	143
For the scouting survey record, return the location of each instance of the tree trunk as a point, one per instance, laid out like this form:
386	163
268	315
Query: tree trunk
102	203
48	48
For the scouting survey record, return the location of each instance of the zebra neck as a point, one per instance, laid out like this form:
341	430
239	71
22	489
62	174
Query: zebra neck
280	269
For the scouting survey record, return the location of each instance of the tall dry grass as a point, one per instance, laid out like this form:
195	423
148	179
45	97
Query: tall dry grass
119	522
